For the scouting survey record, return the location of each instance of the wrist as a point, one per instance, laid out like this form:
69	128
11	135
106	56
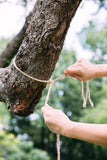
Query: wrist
68	129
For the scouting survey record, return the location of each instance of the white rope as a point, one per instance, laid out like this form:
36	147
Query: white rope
47	97
58	146
88	91
87	95
35	79
84	99
51	82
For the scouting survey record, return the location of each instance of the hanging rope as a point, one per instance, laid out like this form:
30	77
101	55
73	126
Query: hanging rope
47	97
51	82
87	95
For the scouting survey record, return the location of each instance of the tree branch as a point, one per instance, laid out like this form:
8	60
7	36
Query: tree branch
37	55
13	46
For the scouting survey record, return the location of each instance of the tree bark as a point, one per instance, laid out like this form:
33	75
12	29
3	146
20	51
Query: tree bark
37	55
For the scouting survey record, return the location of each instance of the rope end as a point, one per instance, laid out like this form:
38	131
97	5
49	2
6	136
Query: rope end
92	105
84	105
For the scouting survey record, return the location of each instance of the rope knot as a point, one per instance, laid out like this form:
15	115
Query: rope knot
51	81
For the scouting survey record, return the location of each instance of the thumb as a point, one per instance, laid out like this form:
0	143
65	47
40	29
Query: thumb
71	71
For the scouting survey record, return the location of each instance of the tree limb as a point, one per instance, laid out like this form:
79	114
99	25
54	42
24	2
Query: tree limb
13	46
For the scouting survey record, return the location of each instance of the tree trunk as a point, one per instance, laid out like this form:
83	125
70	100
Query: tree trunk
37	55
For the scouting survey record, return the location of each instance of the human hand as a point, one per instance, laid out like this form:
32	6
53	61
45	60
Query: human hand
55	119
82	70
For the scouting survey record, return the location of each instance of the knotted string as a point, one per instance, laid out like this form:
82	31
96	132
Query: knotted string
51	82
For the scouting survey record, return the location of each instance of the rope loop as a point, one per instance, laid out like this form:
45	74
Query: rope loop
51	82
25	74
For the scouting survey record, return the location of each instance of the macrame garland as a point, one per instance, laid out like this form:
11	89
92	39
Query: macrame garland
51	82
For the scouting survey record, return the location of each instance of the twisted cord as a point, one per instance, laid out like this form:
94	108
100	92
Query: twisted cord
51	82
58	146
33	78
87	95
84	99
88	91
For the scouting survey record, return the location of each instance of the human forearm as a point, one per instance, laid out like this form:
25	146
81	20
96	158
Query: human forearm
100	70
59	123
84	70
94	133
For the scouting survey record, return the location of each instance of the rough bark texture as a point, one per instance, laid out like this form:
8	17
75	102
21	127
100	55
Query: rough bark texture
37	54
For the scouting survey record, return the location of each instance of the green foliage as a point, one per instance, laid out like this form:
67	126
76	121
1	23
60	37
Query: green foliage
4	114
13	149
98	42
3	44
36	154
65	95
8	144
26	146
96	115
95	40
17	156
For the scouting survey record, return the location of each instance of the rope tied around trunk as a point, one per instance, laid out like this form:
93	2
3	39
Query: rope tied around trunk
51	82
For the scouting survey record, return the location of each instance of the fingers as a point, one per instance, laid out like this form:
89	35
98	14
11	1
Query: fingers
72	71
46	109
68	71
48	113
75	69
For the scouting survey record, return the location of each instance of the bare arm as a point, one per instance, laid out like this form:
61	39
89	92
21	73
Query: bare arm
84	70
59	123
94	133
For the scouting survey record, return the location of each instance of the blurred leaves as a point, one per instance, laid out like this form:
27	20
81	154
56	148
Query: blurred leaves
95	39
22	136
13	149
96	115
65	95
3	44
